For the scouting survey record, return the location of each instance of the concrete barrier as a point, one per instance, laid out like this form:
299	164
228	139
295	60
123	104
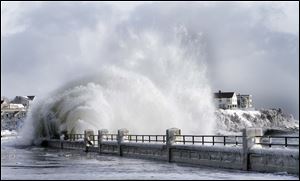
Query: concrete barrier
120	138
244	158
145	150
171	139
274	160
88	139
248	141
55	143
101	134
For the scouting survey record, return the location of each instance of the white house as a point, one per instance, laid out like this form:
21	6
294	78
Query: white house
16	108
24	100
244	101
225	100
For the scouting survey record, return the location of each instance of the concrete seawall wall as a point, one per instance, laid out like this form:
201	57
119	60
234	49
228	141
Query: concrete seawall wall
214	156
148	151
77	145
235	157
274	160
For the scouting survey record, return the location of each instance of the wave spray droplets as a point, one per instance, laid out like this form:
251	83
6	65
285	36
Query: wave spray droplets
148	82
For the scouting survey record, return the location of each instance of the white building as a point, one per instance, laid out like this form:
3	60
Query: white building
24	100
16	108
225	100
244	101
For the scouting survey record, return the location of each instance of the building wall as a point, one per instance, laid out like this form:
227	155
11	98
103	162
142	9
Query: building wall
244	101
226	103
21	100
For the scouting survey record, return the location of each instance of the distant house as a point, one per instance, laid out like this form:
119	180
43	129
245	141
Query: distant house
10	110
24	100
244	101
225	100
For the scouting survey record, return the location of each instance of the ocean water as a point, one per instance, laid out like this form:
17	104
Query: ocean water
30	162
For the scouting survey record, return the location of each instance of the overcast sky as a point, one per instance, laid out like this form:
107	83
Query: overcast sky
251	48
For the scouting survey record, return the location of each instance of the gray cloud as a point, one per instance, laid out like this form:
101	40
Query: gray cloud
249	48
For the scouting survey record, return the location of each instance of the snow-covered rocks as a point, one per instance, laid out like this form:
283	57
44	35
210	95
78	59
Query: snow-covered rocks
235	120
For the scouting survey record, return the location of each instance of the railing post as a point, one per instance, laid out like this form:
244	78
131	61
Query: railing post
93	139
171	139
121	135
285	141
101	134
87	139
245	150
61	138
248	141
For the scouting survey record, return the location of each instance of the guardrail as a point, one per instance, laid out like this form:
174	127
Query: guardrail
74	137
212	139
146	138
94	139
286	141
278	141
111	137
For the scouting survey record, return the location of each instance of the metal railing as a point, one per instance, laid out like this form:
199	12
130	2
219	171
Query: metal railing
286	141
278	141
74	137
94	140
110	137
210	139
146	138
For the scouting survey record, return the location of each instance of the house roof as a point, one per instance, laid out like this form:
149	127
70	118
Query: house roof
223	94
31	97
243	95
